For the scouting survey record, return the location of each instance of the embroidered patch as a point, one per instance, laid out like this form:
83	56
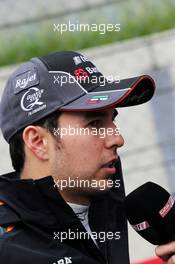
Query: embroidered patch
25	80
97	99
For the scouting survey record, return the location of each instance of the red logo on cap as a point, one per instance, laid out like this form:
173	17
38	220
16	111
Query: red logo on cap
80	74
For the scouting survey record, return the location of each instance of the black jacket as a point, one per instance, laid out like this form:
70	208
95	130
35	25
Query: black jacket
33	211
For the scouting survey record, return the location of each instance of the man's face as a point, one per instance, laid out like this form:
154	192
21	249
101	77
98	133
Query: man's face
85	154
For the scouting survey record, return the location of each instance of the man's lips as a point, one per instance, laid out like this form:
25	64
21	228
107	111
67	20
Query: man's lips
110	164
109	170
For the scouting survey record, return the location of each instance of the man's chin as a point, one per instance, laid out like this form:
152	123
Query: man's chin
95	191
100	191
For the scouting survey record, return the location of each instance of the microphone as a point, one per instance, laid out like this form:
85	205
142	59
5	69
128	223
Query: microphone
150	210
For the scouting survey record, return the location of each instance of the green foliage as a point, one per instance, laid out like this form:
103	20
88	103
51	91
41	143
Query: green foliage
147	18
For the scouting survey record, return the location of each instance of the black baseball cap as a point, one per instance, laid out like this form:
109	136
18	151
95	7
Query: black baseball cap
65	81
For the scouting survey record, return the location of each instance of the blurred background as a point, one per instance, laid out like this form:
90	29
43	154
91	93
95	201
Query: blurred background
143	45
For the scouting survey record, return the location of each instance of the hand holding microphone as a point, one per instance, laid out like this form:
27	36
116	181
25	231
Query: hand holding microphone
166	252
150	209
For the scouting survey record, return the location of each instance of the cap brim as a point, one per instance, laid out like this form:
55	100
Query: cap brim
127	92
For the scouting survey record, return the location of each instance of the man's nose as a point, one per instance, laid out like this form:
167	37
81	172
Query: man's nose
114	140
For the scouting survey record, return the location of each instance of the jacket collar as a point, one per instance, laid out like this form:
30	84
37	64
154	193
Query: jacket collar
31	201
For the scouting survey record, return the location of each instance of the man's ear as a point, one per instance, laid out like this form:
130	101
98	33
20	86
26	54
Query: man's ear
35	139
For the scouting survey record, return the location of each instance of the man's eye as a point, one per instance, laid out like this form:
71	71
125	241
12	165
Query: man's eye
94	123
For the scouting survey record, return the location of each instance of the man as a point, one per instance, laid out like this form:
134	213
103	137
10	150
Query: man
63	203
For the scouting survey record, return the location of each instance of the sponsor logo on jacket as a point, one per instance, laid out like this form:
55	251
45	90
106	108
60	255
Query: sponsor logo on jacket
65	260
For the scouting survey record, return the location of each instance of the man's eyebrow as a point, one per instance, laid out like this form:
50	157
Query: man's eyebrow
98	114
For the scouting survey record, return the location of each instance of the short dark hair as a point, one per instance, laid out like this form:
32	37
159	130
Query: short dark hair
16	144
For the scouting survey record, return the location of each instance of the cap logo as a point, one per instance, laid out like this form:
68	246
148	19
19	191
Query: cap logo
80	74
92	70
97	99
25	80
31	98
79	59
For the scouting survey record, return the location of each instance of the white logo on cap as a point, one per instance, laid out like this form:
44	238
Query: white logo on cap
79	59
31	98
22	83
